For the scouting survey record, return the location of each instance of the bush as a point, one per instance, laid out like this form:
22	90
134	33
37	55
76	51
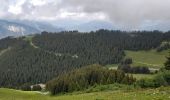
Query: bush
145	83
137	70
81	79
165	75
127	61
161	79
26	87
36	88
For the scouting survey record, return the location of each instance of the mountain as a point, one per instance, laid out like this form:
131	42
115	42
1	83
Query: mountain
84	26
20	28
161	26
95	25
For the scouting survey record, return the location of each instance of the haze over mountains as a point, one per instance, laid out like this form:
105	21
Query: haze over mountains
19	28
25	27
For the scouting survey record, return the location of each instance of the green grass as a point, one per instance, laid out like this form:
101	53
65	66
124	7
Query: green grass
138	94
112	66
150	58
141	76
5	50
29	39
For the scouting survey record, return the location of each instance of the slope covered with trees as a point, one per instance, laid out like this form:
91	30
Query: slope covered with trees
62	52
80	79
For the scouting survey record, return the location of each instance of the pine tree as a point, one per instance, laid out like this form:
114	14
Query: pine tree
167	63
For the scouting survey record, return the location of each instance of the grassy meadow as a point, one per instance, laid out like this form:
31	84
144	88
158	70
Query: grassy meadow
150	58
137	94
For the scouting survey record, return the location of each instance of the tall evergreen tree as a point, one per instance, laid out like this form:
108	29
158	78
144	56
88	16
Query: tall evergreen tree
167	63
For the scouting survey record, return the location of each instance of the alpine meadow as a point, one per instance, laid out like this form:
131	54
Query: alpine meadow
84	50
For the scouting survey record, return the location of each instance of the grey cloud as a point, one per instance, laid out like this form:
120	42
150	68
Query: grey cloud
128	11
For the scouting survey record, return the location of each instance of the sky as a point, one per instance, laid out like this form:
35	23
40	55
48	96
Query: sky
126	12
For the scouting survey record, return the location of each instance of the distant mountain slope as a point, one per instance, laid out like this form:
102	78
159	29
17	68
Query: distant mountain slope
19	28
95	25
84	26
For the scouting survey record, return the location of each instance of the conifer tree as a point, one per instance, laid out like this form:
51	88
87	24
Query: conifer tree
167	63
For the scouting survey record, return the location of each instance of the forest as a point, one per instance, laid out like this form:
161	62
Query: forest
44	56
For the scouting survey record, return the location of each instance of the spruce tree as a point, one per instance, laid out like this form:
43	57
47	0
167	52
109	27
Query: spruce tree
167	63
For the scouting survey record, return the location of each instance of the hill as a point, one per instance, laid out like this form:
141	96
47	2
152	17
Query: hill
39	58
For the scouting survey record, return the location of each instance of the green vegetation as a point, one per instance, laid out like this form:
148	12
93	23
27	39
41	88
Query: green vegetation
138	94
167	63
112	66
125	66
149	58
29	39
5	50
83	78
141	76
164	46
160	79
39	58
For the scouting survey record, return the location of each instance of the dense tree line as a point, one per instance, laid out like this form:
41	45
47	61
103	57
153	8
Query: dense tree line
74	42
25	64
85	77
9	42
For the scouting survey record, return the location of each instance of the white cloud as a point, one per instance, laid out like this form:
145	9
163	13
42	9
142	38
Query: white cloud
128	12
14	9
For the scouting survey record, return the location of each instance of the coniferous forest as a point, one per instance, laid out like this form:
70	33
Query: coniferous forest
42	57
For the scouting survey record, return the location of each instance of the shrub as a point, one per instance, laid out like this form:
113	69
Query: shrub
161	79
26	87
127	61
36	88
167	63
81	79
137	70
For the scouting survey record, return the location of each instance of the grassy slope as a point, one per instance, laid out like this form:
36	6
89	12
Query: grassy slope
3	51
151	58
29	39
149	94
141	76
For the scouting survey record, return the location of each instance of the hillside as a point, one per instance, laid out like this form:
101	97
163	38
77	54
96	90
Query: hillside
39	58
148	94
149	58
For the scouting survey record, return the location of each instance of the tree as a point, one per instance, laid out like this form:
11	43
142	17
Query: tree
26	87
167	63
36	88
127	61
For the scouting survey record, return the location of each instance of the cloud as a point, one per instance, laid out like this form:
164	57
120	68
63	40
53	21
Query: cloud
127	12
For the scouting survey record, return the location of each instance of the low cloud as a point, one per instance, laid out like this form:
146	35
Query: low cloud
127	12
